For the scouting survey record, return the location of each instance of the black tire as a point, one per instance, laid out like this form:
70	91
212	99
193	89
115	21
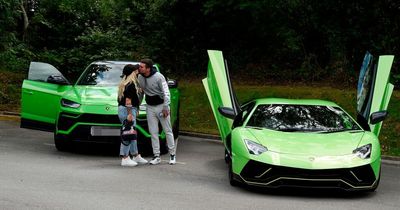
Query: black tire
163	147
232	181
175	127
146	149
227	157
61	142
228	160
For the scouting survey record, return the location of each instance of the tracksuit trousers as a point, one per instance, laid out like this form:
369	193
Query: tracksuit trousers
153	117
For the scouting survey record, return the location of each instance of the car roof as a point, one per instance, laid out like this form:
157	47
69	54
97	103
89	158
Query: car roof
315	102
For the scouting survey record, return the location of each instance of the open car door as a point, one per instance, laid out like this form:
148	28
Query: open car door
219	91
373	90
41	95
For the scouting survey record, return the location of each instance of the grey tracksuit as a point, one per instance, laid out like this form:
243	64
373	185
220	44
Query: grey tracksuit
156	85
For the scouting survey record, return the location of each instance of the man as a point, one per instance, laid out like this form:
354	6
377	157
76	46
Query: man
157	98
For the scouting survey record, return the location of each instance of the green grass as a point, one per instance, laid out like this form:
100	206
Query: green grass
196	114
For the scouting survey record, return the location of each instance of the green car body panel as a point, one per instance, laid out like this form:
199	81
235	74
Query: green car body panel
302	159
41	106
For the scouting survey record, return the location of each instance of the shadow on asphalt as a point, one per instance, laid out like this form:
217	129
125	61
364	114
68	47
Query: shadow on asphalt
309	192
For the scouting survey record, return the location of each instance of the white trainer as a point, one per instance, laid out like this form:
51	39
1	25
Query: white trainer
156	160
128	162
138	159
172	159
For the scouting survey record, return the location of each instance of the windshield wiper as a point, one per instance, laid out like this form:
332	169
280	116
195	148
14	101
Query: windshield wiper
290	130
340	130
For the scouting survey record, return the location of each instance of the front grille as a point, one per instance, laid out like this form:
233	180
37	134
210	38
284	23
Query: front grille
274	176
82	132
67	120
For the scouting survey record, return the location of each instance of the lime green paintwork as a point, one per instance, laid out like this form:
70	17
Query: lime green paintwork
382	89
34	93
311	150
217	90
385	104
40	102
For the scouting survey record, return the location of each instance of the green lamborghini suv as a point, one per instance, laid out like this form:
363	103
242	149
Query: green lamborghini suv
275	142
86	111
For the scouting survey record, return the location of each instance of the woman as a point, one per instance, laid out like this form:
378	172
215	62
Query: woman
129	98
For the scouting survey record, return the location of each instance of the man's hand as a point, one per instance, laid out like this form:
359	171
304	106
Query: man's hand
128	102
165	113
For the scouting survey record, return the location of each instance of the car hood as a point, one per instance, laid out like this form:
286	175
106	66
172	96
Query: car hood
318	144
93	95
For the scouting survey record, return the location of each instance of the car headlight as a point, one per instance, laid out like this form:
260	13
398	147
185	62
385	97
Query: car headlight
69	103
363	152
255	148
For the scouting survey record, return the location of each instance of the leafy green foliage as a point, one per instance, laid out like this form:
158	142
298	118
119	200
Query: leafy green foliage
274	40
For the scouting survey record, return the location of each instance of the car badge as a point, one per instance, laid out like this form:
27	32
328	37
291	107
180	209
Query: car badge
311	159
107	108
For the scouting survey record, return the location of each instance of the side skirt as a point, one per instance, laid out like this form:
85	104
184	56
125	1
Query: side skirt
36	125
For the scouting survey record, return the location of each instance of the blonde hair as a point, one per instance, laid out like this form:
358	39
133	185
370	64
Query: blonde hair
132	78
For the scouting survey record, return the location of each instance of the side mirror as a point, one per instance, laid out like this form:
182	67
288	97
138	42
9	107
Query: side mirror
172	83
57	79
227	112
377	117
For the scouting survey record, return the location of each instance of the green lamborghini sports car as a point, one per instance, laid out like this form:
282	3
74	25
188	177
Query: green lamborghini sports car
275	142
86	111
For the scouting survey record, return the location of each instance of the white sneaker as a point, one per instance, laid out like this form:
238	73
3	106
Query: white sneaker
128	162
156	160
172	159
138	159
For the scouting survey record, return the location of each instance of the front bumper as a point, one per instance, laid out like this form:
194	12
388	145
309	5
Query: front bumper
266	175
77	127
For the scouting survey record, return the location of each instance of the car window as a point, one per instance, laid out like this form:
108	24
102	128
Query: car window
41	71
305	118
102	75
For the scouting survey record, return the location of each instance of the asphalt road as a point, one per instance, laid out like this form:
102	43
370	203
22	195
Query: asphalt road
34	175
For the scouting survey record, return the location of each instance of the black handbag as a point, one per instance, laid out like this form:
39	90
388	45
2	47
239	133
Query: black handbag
128	133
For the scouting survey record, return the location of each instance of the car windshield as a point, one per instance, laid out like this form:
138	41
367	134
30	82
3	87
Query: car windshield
102	75
301	118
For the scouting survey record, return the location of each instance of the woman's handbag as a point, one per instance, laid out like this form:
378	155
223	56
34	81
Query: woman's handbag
128	133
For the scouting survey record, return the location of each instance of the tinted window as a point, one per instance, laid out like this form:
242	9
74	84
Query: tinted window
364	87
301	118
41	71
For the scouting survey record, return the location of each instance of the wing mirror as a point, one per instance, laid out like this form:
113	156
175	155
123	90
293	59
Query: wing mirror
377	117
57	79
227	112
172	83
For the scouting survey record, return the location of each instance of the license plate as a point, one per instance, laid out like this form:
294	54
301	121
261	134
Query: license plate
104	131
